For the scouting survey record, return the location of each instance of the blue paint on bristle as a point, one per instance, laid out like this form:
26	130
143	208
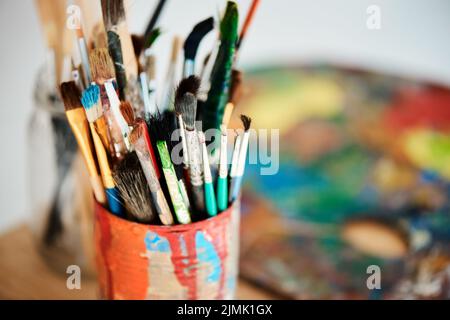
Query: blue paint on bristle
90	96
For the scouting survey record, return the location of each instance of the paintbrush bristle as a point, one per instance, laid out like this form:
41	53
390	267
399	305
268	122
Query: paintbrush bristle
187	107
127	112
197	34
246	121
91	103
113	12
102	66
70	95
137	131
190	84
133	188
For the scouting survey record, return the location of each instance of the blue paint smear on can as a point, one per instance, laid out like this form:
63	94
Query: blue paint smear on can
154	242
206	253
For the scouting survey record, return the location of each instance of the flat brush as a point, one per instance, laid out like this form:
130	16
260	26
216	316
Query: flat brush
94	113
142	146
237	180
210	197
102	68
120	44
179	205
212	111
133	188
80	127
192	43
82	47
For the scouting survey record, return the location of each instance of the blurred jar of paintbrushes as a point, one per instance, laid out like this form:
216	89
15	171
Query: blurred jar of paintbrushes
59	195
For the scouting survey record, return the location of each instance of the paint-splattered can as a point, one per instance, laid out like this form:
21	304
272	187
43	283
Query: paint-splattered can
193	261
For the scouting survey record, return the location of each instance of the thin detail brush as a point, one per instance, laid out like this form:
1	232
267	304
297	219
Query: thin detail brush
248	21
235	96
235	161
169	86
80	127
210	197
192	43
237	181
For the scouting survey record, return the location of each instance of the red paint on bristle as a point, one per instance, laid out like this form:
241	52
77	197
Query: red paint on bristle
419	108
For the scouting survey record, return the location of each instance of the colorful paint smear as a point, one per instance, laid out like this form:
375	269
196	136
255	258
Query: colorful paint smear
353	144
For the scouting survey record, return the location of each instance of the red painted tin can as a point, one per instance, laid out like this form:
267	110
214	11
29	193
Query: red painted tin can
194	261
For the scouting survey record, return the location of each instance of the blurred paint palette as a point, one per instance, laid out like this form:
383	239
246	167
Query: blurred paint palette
354	146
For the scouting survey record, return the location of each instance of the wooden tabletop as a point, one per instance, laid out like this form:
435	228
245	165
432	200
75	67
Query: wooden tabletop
25	275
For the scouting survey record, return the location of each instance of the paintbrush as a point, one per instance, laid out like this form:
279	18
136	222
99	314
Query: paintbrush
210	197
212	111
133	188
163	128
168	91
237	179
148	84
143	147
82	47
235	96
102	68
222	180
80	127
179	205
192	43
248	20
118	117
187	105
120	44
127	113
94	112
189	85
154	19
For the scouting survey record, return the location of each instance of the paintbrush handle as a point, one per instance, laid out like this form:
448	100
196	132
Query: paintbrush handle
97	187
195	170
222	193
159	200
210	200
112	193
235	188
181	211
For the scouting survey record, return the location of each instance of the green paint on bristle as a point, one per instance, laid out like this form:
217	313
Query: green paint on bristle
152	38
221	74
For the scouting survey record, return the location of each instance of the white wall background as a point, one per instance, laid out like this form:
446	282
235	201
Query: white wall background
413	40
